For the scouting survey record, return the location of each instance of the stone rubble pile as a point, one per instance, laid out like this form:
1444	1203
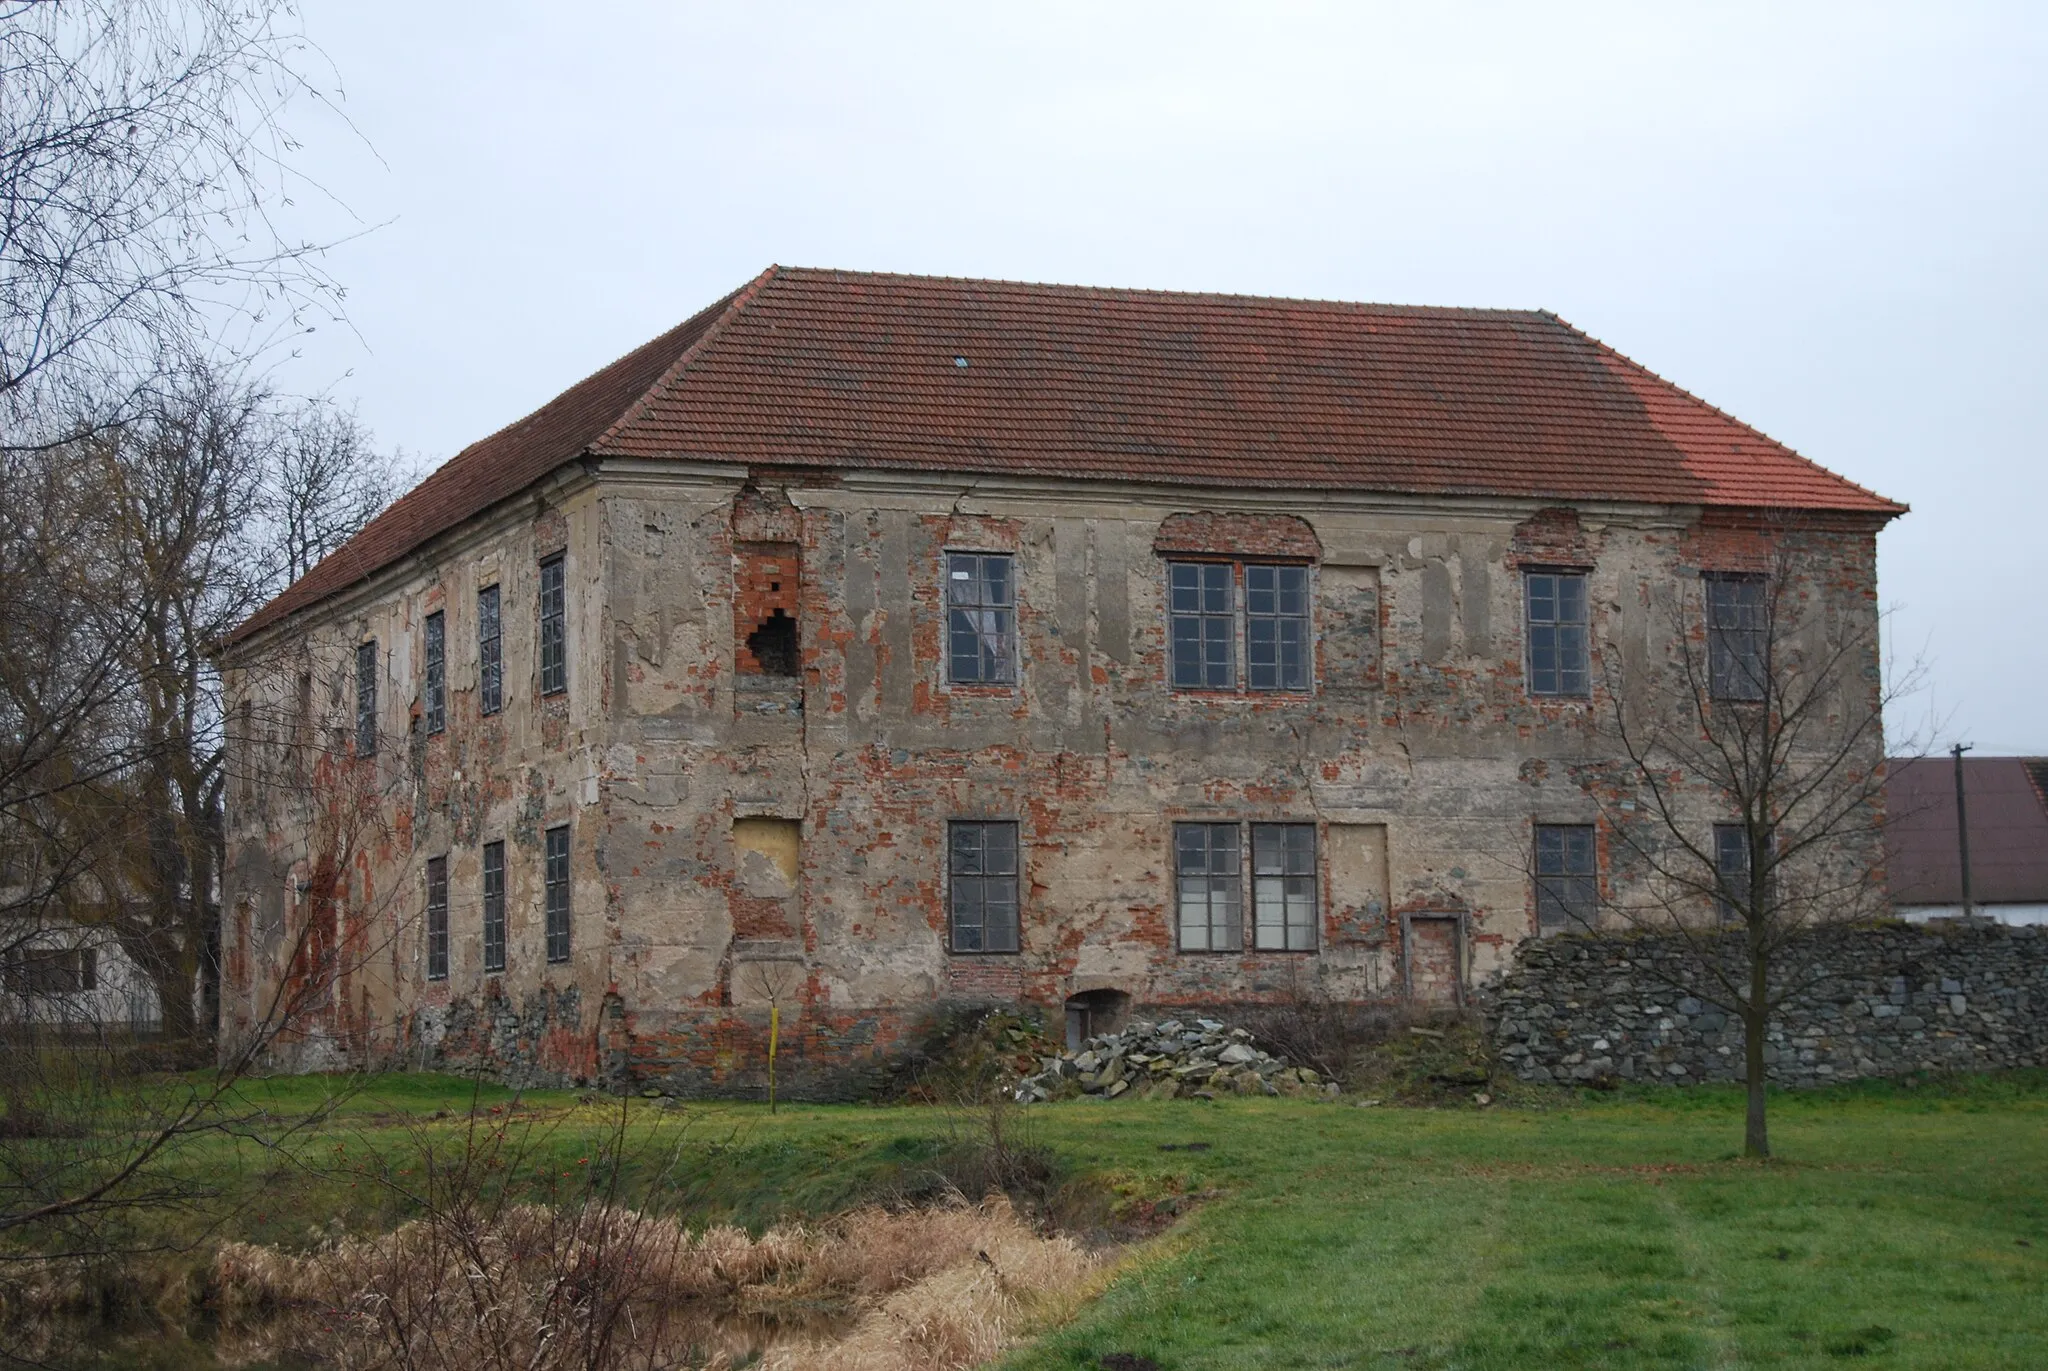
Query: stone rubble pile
1201	1058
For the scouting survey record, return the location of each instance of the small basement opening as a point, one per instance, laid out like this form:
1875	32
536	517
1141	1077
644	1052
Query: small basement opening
1092	1012
773	645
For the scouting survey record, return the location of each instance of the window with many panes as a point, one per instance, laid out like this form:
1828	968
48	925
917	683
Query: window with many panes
1731	870
437	918
1737	637
50	970
556	885
1284	887
1202	609
1209	887
494	907
490	653
981	874
554	643
366	699
1206	615
981	619
1567	889
1276	642
436	692
1555	608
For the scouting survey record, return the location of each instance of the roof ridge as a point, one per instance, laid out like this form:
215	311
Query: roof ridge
734	303
1116	292
1794	453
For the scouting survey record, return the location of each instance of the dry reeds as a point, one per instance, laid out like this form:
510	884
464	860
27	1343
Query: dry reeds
602	1286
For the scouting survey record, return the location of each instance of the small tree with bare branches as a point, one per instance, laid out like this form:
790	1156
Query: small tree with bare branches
1744	815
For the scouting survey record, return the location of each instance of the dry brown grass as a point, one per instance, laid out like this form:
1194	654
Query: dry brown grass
988	1280
601	1286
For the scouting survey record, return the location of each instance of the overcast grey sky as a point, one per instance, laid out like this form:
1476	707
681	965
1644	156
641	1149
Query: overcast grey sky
1829	220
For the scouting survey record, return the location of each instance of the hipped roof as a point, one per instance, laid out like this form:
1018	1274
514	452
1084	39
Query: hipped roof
842	370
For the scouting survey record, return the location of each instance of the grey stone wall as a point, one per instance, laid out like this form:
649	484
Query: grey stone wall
1885	1001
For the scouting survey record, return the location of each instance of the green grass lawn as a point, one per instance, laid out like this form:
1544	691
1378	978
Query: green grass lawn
1901	1226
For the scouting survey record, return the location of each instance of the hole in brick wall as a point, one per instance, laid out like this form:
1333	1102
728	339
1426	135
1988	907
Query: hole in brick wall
773	645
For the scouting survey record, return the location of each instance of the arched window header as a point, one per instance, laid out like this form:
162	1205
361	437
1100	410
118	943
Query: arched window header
1238	535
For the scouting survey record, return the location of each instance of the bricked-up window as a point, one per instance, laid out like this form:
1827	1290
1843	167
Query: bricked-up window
490	653
1556	606
1731	869
1284	887
366	699
981	871
1276	642
981	619
494	906
1567	892
1209	887
437	918
557	893
1737	637
554	655
1203	619
436	704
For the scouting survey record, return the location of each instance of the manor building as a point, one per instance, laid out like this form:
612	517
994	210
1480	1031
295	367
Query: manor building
873	644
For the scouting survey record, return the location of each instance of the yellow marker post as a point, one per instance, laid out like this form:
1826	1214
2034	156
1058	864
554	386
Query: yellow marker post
774	1036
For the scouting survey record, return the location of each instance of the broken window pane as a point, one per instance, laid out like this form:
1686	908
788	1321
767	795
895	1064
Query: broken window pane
437	918
494	906
435	706
982	881
554	657
1284	887
366	699
981	609
1737	647
1566	890
1203	625
1210	884
557	889
489	653
1276	639
1558	653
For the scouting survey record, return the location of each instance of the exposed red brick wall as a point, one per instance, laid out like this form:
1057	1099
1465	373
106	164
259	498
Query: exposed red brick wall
766	577
1553	537
1239	535
984	978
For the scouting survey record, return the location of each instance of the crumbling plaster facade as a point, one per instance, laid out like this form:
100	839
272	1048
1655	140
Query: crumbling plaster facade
741	840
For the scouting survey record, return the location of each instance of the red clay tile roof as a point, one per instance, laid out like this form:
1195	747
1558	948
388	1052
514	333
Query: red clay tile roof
2008	808
835	369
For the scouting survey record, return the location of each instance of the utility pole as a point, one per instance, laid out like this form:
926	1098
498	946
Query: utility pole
1963	829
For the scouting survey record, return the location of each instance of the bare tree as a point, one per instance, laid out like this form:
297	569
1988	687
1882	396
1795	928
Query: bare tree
1745	817
143	170
196	513
93	1142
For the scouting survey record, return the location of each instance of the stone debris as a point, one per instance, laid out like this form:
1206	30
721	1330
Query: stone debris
1198	1058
